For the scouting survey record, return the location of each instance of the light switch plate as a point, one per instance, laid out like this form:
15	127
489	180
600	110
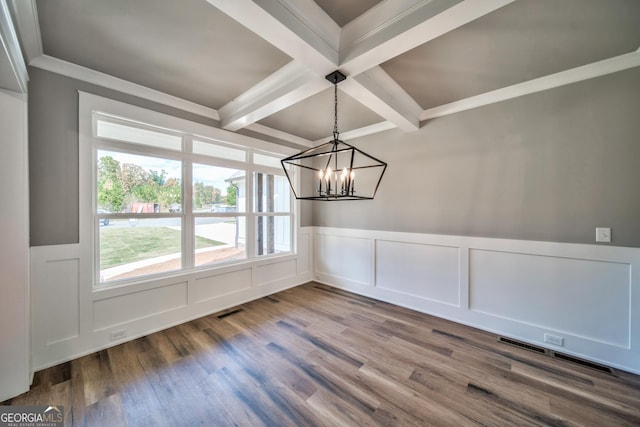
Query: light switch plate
603	234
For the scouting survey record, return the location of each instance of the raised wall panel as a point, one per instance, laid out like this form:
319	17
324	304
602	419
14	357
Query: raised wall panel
344	257
210	287
276	271
577	296
304	253
62	300
121	309
424	271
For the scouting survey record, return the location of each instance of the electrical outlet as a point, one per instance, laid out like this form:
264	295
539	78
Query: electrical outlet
603	234
555	340
118	334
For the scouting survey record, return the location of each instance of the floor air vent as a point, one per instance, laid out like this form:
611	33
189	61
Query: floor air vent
229	313
551	353
524	345
592	365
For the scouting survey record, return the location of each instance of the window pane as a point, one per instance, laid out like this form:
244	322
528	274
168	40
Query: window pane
272	193
261	159
219	151
126	133
218	189
273	234
133	247
220	240
138	184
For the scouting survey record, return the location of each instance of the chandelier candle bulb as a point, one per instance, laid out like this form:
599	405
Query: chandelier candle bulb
328	176
320	182
352	182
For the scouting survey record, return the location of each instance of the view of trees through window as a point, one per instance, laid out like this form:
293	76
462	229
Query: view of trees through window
144	206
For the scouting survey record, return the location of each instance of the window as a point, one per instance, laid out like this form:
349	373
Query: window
272	205
219	207
166	201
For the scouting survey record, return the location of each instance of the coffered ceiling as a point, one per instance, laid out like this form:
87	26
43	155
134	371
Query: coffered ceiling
260	64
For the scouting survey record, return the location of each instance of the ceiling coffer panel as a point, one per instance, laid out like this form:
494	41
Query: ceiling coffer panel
519	42
185	48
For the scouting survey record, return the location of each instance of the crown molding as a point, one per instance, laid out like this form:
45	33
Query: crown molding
88	75
25	14
574	75
278	134
14	64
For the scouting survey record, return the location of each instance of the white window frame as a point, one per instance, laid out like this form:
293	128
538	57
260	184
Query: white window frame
90	106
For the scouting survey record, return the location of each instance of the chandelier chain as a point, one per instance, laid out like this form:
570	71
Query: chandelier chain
336	134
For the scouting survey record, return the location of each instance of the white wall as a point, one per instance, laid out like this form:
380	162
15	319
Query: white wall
15	374
585	294
70	319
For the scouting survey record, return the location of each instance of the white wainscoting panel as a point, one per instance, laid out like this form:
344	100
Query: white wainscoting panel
214	286
423	271
70	318
344	258
269	273
580	297
63	302
304	253
119	310
584	294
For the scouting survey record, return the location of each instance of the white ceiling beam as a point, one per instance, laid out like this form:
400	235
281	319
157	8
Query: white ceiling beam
299	28
357	133
585	72
278	134
383	95
303	31
290	84
388	30
397	26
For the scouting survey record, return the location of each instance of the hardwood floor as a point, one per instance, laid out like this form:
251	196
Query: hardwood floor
315	355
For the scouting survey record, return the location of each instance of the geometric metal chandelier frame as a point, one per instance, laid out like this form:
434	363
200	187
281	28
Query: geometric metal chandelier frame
329	171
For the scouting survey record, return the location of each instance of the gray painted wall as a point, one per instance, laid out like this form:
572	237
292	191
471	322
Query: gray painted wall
549	166
53	152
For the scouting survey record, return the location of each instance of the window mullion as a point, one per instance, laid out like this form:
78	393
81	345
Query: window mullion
188	223
251	216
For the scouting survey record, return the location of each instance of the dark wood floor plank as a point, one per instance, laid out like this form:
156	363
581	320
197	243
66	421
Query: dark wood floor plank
320	356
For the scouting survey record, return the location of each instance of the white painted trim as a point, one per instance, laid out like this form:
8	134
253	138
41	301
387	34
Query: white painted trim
278	26
283	88
397	26
310	21
275	133
11	47
360	132
383	95
28	26
585	72
88	75
142	115
510	299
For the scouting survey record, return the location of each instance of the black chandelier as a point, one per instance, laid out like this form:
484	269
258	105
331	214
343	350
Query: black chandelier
328	172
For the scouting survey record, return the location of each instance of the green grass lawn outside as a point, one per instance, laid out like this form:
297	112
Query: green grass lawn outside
124	245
